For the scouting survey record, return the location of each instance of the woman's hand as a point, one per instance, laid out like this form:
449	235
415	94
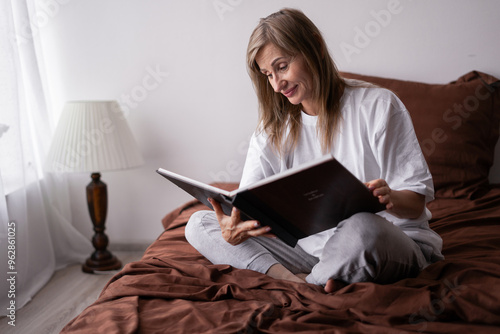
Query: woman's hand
400	203
234	230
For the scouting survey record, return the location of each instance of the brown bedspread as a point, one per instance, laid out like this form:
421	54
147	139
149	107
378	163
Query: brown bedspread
173	289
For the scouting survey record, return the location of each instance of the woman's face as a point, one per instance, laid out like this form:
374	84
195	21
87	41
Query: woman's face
288	76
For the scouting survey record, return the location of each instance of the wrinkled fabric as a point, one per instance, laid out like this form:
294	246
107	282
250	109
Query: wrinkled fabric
173	289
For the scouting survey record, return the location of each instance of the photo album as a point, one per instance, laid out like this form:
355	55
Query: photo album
296	203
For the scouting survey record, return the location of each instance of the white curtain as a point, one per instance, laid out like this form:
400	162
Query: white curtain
36	234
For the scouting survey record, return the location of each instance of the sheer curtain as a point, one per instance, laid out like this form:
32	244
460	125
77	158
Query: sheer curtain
36	234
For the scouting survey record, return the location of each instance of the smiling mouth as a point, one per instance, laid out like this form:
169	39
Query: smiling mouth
290	92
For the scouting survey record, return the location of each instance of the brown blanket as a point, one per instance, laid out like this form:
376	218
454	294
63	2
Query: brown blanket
173	289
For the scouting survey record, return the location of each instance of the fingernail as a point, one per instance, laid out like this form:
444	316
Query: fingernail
256	224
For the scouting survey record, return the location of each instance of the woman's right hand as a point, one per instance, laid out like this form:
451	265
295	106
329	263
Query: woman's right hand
234	230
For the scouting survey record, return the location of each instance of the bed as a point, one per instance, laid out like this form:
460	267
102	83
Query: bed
173	289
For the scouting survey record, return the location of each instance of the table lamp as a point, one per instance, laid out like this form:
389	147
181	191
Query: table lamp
93	136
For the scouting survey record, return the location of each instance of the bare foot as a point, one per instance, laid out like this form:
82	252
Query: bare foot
302	276
332	285
280	272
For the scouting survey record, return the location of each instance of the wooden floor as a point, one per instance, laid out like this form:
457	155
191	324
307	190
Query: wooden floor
67	294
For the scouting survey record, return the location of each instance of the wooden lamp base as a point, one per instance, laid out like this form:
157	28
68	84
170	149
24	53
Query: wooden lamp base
97	200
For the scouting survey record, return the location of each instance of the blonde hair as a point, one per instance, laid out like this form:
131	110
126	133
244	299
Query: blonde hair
294	34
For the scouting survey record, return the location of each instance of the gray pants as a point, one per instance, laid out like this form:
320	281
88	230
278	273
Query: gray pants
364	248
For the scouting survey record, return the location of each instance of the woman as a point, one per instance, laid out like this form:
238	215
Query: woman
308	110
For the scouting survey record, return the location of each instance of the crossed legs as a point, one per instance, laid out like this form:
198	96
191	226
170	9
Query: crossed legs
365	247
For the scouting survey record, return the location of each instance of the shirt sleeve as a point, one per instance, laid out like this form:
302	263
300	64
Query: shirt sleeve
398	152
259	164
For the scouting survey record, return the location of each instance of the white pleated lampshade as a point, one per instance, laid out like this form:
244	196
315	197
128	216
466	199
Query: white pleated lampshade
92	136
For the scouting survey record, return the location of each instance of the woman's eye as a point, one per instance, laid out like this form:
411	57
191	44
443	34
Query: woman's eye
283	68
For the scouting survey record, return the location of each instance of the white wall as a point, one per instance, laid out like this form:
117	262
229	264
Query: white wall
196	113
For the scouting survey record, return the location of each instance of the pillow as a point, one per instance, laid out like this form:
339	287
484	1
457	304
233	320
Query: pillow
457	125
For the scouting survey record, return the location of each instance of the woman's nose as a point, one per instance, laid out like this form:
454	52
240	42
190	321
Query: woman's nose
278	83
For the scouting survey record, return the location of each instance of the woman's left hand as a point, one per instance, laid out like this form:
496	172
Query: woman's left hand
382	191
400	203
